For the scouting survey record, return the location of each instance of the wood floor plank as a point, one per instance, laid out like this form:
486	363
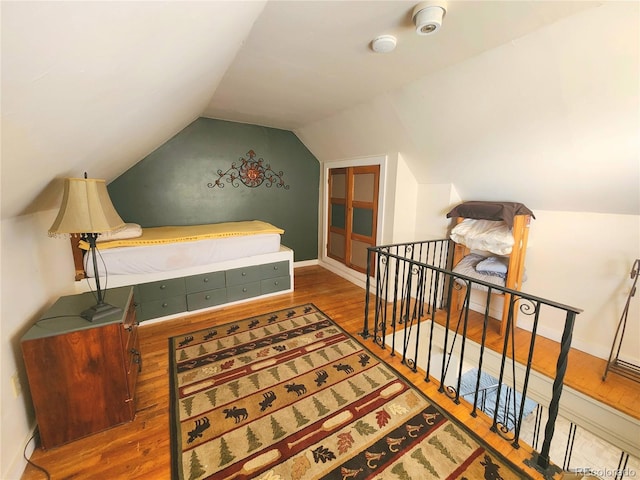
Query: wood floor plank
140	449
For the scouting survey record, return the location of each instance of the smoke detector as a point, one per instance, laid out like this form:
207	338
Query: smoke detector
428	16
383	44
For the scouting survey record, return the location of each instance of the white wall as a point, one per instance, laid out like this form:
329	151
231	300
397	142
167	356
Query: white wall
434	201
559	107
579	259
584	260
36	270
406	195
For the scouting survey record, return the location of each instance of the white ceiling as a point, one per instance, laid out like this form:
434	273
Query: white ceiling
96	86
307	60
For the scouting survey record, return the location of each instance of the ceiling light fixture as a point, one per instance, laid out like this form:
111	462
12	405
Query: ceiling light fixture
428	16
383	44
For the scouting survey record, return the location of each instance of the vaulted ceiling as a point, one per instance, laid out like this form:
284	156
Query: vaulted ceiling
304	61
96	86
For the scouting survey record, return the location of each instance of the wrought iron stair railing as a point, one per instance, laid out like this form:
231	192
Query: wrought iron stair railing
409	296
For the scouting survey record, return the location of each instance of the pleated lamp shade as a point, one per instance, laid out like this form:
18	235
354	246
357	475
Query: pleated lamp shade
86	208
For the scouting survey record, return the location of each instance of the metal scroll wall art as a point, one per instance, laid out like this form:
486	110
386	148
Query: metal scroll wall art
251	173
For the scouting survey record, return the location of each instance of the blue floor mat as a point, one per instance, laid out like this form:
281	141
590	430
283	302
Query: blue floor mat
488	406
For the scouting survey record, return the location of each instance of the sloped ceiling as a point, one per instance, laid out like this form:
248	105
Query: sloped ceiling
305	61
551	119
96	86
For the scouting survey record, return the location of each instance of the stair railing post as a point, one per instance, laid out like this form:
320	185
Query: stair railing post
561	368
365	328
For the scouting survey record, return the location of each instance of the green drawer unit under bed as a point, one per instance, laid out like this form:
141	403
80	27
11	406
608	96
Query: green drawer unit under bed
195	292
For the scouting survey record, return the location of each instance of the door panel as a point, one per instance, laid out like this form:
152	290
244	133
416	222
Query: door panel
338	216
359	255
339	183
365	188
353	213
337	235
337	244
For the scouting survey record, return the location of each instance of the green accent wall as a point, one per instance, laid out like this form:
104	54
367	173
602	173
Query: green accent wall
169	186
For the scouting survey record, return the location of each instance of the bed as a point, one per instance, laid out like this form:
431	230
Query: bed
490	243
177	269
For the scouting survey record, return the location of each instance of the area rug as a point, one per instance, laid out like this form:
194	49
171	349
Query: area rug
290	395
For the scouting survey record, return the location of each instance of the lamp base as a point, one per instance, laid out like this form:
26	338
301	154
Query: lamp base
99	312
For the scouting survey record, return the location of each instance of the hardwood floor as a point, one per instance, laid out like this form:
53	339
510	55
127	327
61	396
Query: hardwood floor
140	449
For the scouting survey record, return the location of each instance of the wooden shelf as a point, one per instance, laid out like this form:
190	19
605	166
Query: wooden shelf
515	271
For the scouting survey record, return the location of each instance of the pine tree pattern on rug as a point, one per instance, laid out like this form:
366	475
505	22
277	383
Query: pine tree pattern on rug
290	395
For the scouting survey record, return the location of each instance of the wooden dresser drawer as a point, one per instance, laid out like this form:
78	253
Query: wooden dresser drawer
158	290
134	366
273	270
130	320
206	281
272	285
130	338
196	301
241	276
240	292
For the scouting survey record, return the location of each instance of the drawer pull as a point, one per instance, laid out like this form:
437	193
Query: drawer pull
137	358
275	283
163	286
244	274
165	305
275	268
206	279
207	297
244	289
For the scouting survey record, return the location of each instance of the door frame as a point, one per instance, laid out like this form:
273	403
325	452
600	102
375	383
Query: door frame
334	265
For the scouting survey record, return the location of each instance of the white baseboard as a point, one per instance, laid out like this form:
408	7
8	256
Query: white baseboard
19	464
305	263
357	278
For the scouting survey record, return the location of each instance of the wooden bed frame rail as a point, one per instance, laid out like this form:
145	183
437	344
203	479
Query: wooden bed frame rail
78	257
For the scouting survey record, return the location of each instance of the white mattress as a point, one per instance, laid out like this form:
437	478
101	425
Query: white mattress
176	256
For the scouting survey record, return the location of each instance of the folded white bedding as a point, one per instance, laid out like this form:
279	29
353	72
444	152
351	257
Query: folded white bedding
467	266
495	265
486	235
130	230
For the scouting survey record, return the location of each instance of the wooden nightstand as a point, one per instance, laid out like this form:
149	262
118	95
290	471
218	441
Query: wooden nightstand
82	375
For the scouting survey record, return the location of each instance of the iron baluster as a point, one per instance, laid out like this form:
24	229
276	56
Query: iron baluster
565	344
569	448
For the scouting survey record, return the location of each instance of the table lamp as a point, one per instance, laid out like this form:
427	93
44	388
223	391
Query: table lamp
87	211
